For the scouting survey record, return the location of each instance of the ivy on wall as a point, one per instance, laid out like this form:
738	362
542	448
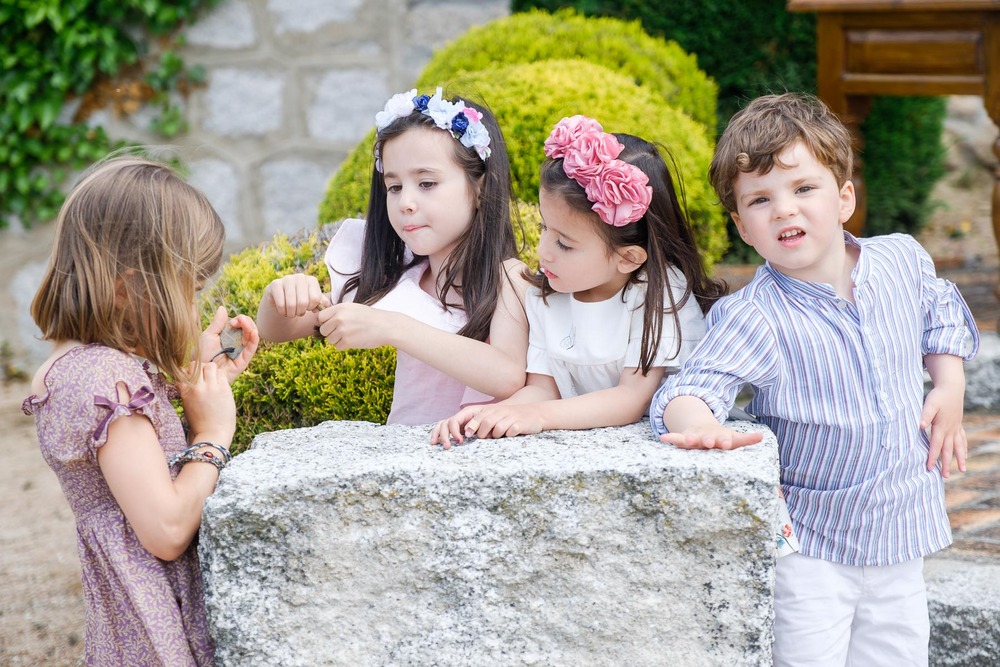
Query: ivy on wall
97	50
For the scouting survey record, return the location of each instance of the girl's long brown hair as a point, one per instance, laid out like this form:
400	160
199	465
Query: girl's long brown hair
133	244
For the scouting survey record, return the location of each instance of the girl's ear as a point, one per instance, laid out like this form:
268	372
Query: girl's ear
121	291
630	258
477	190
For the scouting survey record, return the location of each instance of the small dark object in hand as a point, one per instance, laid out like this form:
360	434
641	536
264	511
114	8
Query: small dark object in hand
232	341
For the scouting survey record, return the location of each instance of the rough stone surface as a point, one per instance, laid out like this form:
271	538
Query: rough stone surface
964	604
344	105
310	15
293	189
357	544
221	184
23	287
982	375
228	26
244	102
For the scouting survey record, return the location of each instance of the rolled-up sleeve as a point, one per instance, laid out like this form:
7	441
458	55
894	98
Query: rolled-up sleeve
949	326
739	348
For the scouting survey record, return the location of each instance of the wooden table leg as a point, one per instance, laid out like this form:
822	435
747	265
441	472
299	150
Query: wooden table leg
995	209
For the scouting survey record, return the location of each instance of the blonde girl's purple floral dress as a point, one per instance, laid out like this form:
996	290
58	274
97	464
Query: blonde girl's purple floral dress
140	610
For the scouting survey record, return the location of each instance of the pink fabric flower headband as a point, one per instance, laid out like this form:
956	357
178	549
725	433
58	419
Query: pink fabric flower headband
620	191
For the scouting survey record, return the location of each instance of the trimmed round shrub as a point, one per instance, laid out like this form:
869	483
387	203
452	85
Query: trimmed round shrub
621	46
530	99
302	382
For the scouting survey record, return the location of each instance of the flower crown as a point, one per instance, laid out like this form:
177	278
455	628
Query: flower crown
619	191
463	122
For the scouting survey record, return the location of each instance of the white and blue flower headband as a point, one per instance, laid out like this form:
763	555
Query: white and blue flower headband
463	122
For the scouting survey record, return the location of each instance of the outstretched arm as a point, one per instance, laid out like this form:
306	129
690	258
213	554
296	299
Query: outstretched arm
495	368
943	410
537	389
692	425
615	406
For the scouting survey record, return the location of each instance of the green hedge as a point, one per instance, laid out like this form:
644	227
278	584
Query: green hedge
565	35
530	99
904	156
754	47
303	382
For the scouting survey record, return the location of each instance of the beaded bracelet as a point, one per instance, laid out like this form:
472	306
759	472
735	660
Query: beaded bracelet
226	455
192	454
206	457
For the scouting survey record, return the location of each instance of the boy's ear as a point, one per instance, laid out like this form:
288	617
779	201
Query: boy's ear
739	227
848	201
630	258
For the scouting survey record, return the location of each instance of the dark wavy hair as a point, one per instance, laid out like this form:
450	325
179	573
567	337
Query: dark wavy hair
475	268
664	232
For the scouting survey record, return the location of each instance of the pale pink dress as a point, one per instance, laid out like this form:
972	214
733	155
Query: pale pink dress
140	610
422	394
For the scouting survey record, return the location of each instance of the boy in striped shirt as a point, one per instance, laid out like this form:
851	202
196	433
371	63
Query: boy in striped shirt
833	334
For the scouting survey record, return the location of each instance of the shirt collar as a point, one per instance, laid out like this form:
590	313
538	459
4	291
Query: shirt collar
820	290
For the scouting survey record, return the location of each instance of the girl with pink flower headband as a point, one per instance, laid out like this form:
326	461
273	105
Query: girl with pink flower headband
620	297
432	270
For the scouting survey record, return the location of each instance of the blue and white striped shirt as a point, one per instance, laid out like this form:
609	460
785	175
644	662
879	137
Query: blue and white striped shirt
841	386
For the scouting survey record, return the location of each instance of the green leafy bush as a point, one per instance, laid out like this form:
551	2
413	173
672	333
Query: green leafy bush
755	47
50	51
620	46
898	191
302	382
529	99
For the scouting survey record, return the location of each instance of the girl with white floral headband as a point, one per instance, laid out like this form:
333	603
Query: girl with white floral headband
620	297
431	271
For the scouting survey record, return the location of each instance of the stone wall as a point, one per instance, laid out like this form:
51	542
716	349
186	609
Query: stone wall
357	544
292	86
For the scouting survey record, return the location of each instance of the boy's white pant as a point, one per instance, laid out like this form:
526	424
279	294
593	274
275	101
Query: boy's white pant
841	615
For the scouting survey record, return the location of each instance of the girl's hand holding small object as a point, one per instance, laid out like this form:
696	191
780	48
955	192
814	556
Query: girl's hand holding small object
296	294
228	342
349	326
208	404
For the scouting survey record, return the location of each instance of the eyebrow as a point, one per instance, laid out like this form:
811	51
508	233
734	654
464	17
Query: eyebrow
561	233
418	171
798	182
